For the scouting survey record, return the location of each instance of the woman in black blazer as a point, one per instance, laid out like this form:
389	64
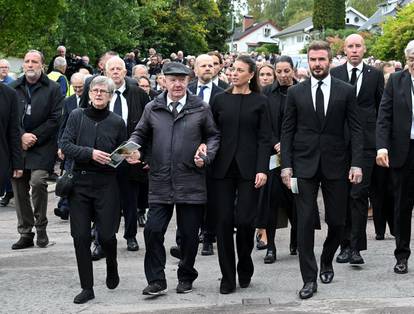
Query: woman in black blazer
276	201
239	169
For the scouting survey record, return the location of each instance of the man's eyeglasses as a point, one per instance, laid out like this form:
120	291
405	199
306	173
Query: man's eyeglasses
99	91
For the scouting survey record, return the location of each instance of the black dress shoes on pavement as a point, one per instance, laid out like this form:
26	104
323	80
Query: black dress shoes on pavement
308	290
226	288
23	243
356	258
244	283
344	255
175	251
142	220
84	296
132	244
97	253
326	274
112	276
270	257
401	267
379	236
63	213
207	249
5	200
184	287
42	239
155	288
293	250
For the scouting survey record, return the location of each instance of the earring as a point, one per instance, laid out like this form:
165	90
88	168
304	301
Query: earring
249	81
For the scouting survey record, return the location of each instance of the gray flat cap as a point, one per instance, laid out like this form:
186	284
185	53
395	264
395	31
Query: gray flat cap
175	68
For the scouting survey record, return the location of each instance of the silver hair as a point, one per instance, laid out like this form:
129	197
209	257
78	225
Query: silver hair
103	80
5	62
114	58
139	66
77	76
42	57
60	47
409	49
59	62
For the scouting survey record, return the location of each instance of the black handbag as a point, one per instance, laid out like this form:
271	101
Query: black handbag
64	184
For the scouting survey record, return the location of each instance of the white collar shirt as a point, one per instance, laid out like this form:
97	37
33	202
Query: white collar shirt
326	90
182	102
412	108
124	104
207	90
359	74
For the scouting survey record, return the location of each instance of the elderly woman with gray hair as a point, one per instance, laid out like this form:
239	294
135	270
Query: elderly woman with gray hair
90	136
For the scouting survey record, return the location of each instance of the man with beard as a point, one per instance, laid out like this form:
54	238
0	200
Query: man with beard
315	151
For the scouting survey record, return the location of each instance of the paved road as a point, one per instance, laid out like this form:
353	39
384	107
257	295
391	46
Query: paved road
39	280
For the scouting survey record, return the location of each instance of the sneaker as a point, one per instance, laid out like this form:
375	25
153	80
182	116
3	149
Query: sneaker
155	288
4	201
184	287
42	239
142	220
84	296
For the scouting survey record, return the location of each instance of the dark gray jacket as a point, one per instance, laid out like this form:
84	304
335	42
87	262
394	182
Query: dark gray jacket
46	110
172	143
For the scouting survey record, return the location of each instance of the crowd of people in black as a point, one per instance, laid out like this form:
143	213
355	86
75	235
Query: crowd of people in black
237	145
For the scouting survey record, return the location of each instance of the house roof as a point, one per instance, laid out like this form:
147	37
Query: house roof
356	12
300	26
239	34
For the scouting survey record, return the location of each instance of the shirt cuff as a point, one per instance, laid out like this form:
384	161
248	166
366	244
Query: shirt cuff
382	151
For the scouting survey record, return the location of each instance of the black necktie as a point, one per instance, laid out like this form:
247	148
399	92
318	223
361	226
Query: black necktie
320	111
353	76
174	108
201	92
118	103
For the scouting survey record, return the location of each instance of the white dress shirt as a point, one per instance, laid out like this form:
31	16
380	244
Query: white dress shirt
77	101
207	90
182	102
359	67
326	90
123	103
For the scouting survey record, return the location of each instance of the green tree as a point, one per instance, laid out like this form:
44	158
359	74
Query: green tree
297	10
397	32
219	26
255	8
366	7
337	14
275	10
329	14
28	25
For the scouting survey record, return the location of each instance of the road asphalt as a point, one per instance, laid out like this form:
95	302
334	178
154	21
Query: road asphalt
37	280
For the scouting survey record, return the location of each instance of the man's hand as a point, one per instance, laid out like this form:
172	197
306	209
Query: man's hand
200	155
28	140
202	149
277	148
382	160
286	175
101	157
61	155
260	180
355	175
133	158
17	173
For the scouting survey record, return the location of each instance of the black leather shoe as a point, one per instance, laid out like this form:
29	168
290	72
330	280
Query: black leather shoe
270	257
356	258
293	250
84	296
62	213
23	243
142	220
42	239
379	237
401	267
184	287
132	244
98	253
112	276
155	288
244	283
344	255
175	251
226	288
5	200
308	290
207	249
326	274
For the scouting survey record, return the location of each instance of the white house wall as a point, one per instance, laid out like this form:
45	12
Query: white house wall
255	37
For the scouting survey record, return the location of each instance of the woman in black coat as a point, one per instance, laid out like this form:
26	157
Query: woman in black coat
239	169
90	136
276	200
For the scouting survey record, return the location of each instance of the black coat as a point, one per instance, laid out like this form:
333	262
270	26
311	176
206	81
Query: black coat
69	105
172	143
214	91
10	144
368	99
305	144
395	118
46	103
243	121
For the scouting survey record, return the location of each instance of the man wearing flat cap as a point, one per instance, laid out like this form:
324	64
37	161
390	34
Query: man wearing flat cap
171	130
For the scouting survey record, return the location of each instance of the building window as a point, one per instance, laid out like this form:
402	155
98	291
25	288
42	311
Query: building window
347	20
299	38
356	19
266	31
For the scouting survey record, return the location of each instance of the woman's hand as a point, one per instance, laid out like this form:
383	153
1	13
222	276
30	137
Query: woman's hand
101	157
260	180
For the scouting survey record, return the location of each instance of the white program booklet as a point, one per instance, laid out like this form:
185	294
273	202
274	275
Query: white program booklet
117	155
294	185
274	161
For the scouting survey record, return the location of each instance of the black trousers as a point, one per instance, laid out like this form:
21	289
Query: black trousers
142	198
128	192
94	198
243	218
335	197
208	227
382	200
188	220
403	184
